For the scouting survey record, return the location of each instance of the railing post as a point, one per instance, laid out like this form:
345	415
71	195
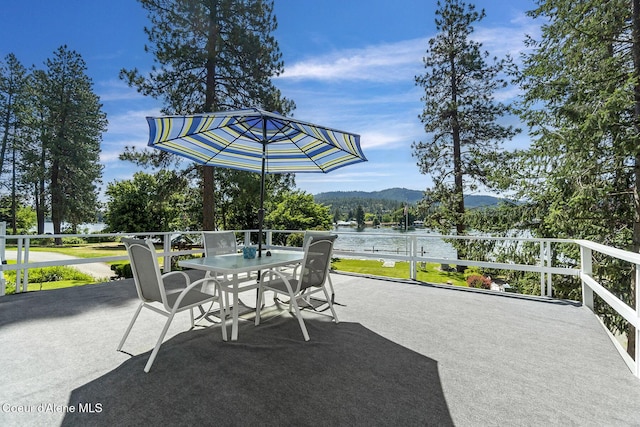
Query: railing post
247	238
25	277
413	263
543	282
549	278
637	353
167	250
586	268
269	238
18	261
3	260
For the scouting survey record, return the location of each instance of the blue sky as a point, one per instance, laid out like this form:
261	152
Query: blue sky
349	65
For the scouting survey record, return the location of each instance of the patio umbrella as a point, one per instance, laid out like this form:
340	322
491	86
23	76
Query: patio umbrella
257	141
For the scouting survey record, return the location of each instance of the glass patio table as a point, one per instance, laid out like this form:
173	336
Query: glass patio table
236	264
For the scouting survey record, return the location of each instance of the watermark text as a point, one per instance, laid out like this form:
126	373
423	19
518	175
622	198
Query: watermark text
80	407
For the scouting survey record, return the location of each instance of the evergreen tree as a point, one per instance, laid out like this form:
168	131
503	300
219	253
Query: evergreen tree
460	114
33	159
360	217
582	104
211	55
14	80
74	125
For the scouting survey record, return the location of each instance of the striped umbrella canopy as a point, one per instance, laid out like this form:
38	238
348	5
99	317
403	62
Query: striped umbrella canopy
255	140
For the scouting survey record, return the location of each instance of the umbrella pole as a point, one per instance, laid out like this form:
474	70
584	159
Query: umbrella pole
261	210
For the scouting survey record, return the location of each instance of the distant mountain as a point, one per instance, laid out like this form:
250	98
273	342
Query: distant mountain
398	195
395	194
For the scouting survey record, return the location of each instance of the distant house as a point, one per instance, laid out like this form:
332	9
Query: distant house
418	224
350	223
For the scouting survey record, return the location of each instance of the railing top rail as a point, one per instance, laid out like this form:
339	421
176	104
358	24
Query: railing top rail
629	256
85	235
362	233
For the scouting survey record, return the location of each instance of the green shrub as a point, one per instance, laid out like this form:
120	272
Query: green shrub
57	273
478	281
101	239
472	271
46	277
122	270
295	239
73	241
46	241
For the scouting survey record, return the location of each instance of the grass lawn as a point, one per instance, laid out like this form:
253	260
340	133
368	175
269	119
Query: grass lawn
92	250
60	284
47	278
431	273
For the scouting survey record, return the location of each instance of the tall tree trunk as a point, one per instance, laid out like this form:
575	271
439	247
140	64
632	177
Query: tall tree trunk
5	136
208	199
56	201
39	212
208	175
457	160
41	205
14	202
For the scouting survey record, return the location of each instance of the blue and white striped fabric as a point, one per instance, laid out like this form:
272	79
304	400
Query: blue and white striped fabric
239	139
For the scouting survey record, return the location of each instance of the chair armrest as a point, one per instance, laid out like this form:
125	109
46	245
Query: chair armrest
189	288
172	273
284	277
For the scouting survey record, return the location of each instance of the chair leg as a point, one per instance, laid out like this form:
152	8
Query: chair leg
293	303
126	333
159	343
330	301
223	317
333	294
259	305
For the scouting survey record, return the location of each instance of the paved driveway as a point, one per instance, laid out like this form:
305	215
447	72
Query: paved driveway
99	270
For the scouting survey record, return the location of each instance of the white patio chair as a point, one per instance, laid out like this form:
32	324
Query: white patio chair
308	234
222	243
154	296
218	243
308	278
305	241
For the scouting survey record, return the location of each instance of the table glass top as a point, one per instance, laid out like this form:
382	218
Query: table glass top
236	263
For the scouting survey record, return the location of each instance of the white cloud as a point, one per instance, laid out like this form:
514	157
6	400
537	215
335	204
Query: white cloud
385	62
389	62
128	128
131	122
116	90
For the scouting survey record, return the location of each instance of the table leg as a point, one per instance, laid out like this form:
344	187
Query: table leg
234	324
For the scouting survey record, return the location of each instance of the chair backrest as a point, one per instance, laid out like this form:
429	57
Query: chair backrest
317	261
313	233
219	242
145	269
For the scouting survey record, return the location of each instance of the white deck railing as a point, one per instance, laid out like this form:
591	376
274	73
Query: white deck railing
590	285
409	252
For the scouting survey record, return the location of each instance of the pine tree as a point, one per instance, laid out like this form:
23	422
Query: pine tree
73	124
211	55
460	114
14	79
581	175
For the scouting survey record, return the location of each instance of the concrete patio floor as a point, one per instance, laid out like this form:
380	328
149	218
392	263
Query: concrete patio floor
498	359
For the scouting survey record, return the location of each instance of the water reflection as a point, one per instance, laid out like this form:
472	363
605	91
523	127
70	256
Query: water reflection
387	240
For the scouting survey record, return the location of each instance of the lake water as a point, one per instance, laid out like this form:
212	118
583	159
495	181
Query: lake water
375	240
93	228
387	240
